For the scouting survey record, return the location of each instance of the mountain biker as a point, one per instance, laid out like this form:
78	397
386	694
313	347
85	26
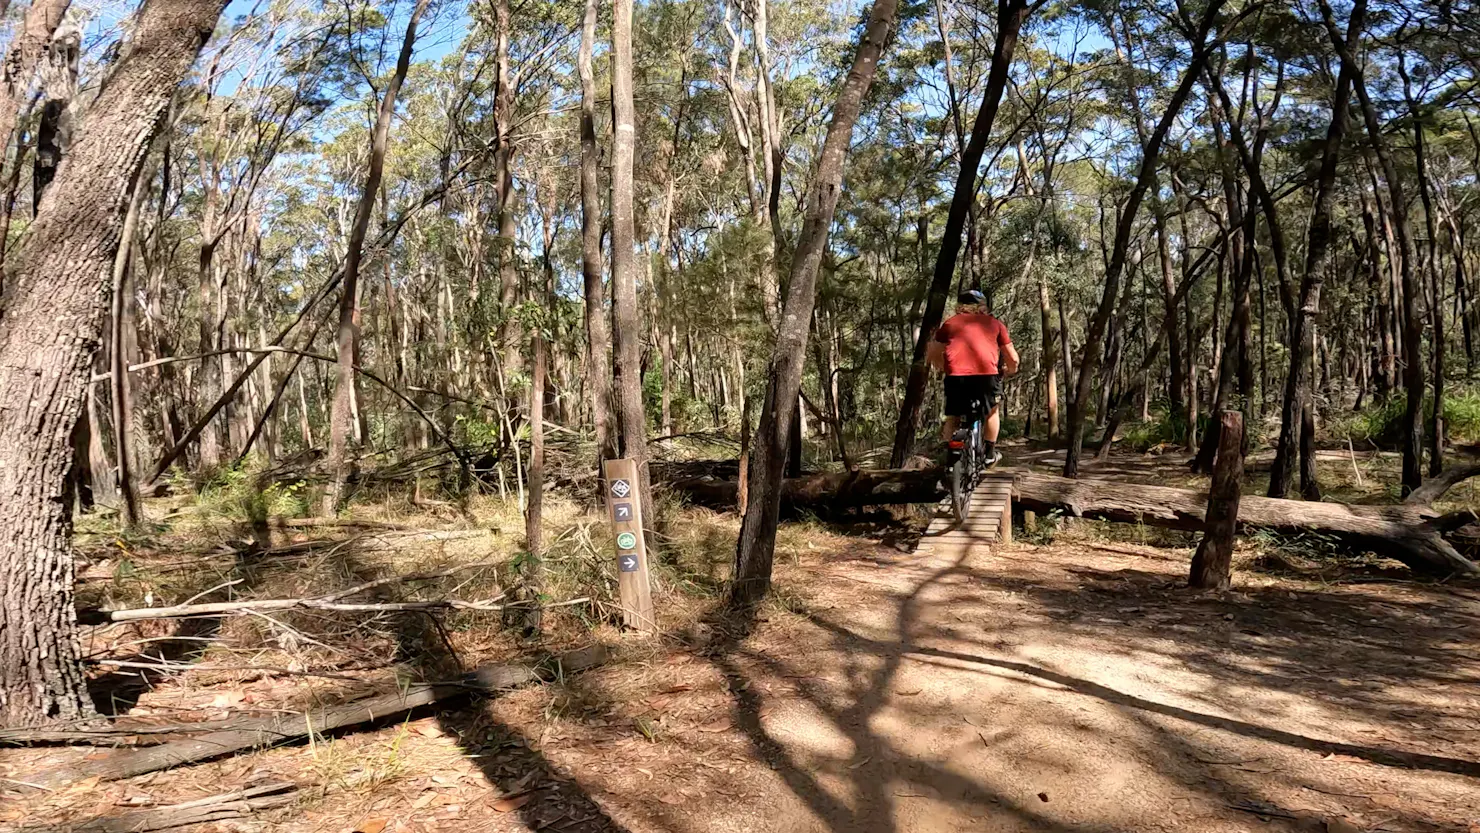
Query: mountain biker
974	350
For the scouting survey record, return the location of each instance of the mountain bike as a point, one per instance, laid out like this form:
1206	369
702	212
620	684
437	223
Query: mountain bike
966	459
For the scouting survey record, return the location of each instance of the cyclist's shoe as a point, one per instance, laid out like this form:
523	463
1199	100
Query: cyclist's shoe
993	458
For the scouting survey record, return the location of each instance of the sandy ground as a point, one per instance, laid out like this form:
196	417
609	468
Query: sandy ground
1070	687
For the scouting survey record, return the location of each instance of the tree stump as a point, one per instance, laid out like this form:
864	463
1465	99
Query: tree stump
1212	566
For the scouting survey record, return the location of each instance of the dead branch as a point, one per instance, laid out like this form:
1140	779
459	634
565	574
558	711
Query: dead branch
267	605
251	733
1436	487
232	805
381	582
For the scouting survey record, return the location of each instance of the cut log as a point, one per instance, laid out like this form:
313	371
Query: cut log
252	733
1411	534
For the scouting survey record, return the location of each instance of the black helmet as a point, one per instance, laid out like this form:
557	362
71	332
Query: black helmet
971	296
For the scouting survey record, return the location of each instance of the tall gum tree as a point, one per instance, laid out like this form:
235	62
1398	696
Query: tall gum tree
54	306
1010	17
349	295
626	317
756	546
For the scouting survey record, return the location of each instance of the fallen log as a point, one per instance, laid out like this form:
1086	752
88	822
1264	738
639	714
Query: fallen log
251	733
864	487
1411	534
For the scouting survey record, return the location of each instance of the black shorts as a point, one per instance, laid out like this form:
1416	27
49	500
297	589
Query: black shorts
969	395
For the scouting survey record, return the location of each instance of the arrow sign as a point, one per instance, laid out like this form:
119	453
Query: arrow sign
627	563
621	512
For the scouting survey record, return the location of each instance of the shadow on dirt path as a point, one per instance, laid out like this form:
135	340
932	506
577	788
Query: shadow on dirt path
946	695
881	776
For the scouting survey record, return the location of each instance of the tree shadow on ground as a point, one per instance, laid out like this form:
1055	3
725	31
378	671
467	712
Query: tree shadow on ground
1365	646
861	802
852	796
547	796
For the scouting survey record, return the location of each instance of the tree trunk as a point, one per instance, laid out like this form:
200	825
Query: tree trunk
1317	261
342	410
1412	328
627	326
1431	267
1228	387
1010	17
54	308
598	335
1212	565
510	330
534	567
1381	289
771	142
122	395
1094	339
1046	362
27	48
95	475
757	541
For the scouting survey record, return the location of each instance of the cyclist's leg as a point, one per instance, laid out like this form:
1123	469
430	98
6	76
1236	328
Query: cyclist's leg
958	404
993	393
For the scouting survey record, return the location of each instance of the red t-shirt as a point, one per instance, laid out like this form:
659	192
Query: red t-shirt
973	341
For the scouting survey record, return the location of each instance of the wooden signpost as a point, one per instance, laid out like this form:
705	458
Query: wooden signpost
624	506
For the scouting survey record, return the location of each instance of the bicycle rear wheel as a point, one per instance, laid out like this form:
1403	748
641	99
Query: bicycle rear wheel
960	489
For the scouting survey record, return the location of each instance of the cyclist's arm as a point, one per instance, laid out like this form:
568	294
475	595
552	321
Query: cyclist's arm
1010	356
935	353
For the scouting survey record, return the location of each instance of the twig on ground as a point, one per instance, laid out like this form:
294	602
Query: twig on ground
222	586
381	582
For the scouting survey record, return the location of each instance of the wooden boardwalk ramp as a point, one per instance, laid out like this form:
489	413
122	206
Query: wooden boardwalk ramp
988	522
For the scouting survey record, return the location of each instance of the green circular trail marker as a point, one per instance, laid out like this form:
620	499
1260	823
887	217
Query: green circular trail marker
627	541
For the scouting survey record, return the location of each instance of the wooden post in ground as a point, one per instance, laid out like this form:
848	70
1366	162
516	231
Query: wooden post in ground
624	504
1212	566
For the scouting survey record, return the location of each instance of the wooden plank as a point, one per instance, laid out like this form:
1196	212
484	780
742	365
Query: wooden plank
988	521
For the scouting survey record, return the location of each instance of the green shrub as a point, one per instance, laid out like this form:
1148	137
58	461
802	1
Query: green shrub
235	492
1163	428
1381	425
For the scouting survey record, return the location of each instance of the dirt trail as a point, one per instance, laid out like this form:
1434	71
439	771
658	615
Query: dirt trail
1064	688
1025	689
1068	687
1072	687
1082	688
